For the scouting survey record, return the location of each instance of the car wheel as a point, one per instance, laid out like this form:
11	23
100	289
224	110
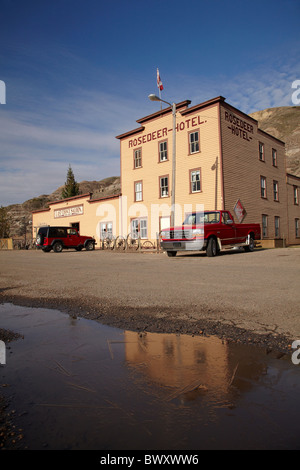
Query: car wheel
46	250
212	247
171	254
57	247
89	246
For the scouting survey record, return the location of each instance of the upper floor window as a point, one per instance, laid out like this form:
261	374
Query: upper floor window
164	186
261	151
194	143
137	163
275	191
138	191
296	197
274	157
263	187
297	232
163	151
195	181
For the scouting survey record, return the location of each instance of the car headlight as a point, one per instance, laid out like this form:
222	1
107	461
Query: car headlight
198	231
164	234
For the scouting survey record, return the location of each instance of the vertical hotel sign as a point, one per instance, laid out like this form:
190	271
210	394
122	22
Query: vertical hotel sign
68	211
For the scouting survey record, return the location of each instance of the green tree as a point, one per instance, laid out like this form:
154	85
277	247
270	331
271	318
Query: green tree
4	223
71	186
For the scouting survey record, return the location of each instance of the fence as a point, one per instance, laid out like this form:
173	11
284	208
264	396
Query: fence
129	243
6	244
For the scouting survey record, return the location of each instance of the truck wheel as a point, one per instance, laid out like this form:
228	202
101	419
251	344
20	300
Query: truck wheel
250	247
57	247
89	246
212	247
171	254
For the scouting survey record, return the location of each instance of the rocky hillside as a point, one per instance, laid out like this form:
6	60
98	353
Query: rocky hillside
20	214
283	123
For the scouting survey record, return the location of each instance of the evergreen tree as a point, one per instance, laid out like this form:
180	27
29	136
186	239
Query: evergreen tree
4	223
71	186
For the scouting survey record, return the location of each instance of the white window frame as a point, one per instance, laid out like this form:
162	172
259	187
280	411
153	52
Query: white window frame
139	228
195	182
163	151
194	143
164	186
106	230
137	158
138	191
263	187
275	190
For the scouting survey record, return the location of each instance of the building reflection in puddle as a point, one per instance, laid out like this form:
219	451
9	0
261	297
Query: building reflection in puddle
189	367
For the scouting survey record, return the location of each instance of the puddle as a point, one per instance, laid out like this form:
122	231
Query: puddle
76	384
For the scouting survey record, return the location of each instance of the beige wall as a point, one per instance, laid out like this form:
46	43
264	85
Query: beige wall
88	213
156	129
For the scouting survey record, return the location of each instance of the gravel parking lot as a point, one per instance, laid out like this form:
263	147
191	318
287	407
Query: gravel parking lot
247	297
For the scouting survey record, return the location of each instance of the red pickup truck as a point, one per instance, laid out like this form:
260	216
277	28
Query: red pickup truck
210	231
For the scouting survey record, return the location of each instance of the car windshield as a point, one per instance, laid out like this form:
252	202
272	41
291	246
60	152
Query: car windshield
198	218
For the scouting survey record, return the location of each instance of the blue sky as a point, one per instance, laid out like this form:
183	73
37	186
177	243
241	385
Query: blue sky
78	73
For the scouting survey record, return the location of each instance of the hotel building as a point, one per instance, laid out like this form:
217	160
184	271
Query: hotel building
223	161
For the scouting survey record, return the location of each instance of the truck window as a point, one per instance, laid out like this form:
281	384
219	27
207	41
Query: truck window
225	217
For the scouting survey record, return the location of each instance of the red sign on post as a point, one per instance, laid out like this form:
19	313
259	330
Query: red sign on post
240	211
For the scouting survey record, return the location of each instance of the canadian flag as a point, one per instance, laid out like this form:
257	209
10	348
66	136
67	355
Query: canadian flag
159	82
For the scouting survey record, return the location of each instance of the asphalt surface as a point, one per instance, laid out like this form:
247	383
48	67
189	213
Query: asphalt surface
245	297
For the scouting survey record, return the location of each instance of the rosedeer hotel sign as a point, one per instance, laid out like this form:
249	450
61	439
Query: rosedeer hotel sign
68	211
238	126
163	132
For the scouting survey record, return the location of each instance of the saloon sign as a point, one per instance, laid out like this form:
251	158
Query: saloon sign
68	211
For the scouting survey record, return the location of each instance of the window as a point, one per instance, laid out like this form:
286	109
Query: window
297	233
137	158
163	151
194	142
195	181
274	157
264	226
138	191
261	150
139	228
275	191
164	186
296	199
263	187
105	230
277	227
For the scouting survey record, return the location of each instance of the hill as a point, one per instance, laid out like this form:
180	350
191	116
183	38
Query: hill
283	123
